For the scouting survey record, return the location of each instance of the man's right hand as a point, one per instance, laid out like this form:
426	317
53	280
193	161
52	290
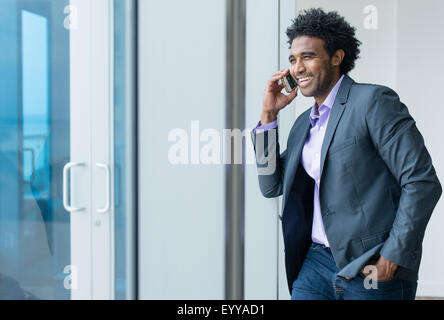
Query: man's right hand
274	99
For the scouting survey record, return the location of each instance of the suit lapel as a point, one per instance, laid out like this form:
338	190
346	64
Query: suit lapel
335	116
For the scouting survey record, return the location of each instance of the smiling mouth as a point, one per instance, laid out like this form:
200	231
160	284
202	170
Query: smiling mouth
303	81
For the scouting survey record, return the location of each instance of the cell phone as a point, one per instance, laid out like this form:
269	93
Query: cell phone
289	83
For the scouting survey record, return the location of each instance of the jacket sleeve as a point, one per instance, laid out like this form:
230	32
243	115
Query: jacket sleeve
401	146
270	163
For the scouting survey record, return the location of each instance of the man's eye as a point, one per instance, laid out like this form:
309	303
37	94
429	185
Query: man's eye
306	57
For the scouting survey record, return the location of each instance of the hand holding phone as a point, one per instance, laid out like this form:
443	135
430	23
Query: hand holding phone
289	83
274	100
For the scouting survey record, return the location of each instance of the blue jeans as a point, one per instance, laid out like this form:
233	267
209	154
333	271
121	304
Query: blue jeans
318	280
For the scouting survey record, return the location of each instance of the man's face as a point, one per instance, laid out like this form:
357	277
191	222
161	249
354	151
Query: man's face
311	66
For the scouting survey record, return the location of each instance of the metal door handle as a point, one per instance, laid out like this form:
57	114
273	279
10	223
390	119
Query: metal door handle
66	168
107	177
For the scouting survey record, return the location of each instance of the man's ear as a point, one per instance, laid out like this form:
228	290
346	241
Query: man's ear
337	57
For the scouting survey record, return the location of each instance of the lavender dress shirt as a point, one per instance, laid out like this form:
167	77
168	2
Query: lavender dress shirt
311	156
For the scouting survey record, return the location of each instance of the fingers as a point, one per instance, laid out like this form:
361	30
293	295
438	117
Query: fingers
274	84
279	75
282	72
276	78
292	95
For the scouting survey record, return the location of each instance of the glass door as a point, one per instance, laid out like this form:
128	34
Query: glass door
56	165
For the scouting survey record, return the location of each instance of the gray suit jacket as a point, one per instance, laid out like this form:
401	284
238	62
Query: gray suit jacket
378	186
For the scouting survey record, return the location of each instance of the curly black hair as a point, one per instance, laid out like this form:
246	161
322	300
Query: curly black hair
330	27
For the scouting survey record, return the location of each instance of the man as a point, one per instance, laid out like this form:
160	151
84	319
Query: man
358	184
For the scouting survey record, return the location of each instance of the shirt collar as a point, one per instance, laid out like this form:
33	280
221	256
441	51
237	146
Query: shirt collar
328	103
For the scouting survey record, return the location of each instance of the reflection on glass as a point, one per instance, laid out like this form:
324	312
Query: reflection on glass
34	145
35	99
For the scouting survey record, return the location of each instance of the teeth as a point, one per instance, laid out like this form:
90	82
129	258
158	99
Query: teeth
304	79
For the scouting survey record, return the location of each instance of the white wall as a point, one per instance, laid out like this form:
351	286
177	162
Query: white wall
181	208
261	214
419	84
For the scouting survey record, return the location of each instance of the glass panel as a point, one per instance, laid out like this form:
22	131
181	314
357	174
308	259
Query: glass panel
34	86
35	102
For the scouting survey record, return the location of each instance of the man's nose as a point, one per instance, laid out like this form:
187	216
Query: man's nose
298	68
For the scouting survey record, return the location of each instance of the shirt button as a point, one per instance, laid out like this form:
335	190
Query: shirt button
322	127
318	181
317	154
